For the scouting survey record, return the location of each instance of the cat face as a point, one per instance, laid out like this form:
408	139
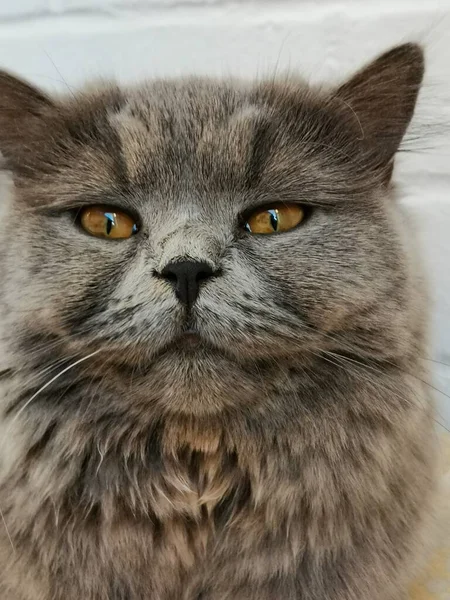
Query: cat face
189	162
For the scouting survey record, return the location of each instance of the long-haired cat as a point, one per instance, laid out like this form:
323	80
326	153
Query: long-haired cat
212	328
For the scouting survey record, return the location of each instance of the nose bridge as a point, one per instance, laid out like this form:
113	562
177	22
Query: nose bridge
194	242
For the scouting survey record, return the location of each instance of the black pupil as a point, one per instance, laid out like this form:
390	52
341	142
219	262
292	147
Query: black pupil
110	222
273	219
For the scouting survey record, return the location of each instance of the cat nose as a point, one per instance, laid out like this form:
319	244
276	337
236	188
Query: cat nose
186	278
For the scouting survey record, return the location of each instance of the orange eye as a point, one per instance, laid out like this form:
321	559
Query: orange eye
107	222
275	219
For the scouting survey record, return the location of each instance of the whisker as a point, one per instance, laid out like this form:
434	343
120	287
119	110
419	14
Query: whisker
337	340
348	359
297	323
437	362
41	389
59	73
373	369
7	530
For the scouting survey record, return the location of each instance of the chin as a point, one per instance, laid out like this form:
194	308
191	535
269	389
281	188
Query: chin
192	377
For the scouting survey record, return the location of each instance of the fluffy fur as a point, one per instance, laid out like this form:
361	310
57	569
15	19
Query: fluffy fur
286	452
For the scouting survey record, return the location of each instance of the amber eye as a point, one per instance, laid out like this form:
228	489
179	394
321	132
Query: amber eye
275	219
107	222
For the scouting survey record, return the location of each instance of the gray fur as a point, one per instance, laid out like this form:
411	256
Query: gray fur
286	455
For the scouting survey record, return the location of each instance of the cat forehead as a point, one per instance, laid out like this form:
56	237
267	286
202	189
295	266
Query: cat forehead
189	131
266	140
220	137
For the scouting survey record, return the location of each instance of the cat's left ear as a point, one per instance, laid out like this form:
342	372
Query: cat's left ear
382	97
25	121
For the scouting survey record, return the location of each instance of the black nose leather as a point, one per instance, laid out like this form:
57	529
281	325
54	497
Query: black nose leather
186	278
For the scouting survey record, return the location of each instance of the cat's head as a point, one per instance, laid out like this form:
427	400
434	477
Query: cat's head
200	174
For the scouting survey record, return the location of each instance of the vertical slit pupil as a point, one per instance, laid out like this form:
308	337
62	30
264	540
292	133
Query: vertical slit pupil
109	222
273	219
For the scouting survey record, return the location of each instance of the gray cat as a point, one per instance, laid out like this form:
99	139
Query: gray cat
212	331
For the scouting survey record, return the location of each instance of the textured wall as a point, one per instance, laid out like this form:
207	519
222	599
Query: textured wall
59	43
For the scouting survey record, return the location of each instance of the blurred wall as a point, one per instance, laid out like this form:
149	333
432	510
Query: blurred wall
60	43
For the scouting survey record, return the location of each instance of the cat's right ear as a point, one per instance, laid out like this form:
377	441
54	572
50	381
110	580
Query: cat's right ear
25	117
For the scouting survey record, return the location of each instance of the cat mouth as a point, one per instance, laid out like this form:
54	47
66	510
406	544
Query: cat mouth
189	337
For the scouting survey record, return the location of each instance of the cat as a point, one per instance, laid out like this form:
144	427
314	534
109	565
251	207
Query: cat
212	331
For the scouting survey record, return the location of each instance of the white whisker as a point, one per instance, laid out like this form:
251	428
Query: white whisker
40	390
7	530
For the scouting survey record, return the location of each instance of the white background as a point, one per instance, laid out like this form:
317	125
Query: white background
58	44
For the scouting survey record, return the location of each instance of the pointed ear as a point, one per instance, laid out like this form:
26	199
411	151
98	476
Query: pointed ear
383	97
24	120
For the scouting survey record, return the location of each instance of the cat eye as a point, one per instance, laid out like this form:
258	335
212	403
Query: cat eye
109	223
275	219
